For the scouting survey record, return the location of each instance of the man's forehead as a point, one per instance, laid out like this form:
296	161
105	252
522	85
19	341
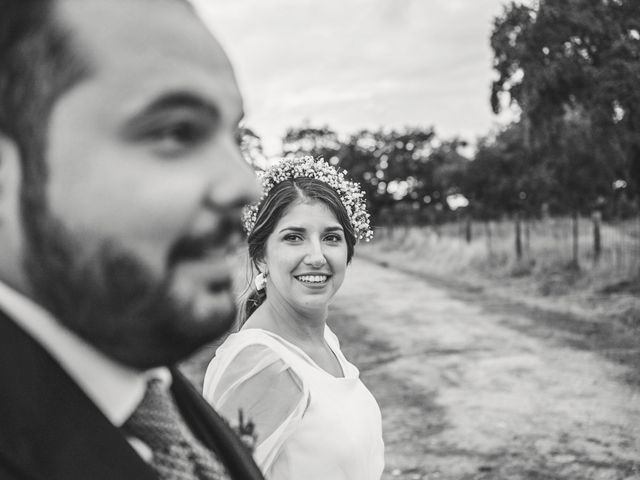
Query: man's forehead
143	47
108	29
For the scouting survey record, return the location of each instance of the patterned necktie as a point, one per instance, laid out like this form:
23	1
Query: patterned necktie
177	454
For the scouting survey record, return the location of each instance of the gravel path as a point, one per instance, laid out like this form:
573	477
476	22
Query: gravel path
470	392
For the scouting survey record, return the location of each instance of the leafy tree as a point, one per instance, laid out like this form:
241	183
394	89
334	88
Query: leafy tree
572	67
251	147
504	178
407	174
307	140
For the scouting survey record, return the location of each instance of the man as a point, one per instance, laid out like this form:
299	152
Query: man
120	190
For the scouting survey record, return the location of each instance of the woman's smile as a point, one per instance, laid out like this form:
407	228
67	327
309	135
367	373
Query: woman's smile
313	280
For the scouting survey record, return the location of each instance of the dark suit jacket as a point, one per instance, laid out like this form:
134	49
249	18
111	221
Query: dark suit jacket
50	430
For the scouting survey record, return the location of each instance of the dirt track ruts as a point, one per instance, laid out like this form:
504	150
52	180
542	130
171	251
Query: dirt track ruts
469	392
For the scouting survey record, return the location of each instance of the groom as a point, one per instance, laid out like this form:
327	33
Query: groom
121	186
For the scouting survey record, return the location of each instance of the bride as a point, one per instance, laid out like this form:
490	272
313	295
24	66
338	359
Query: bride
313	416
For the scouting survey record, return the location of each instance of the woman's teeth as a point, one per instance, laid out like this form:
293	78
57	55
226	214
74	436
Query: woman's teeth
313	278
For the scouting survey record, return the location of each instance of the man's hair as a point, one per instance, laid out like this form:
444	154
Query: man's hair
38	63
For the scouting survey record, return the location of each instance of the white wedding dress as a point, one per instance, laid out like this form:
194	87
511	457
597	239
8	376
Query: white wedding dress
310	424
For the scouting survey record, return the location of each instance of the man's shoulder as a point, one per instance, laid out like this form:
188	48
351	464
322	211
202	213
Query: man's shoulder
48	423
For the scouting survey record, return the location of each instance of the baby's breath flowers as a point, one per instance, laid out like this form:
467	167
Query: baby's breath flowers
350	194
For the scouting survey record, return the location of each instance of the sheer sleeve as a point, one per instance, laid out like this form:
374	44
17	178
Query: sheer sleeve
257	380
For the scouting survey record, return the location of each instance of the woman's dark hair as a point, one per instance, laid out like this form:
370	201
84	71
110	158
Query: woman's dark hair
280	199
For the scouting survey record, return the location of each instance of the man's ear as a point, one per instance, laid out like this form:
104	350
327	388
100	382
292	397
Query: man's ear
11	236
10	180
10	173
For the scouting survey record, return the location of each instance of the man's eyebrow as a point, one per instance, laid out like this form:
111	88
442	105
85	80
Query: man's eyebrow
179	99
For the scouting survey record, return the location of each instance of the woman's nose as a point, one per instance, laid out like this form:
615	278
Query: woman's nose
318	262
315	257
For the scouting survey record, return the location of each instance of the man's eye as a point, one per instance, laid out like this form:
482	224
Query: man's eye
178	137
238	136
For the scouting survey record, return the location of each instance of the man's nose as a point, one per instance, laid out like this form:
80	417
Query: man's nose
234	183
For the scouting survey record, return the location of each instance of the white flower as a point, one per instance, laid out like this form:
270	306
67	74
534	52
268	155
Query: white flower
349	192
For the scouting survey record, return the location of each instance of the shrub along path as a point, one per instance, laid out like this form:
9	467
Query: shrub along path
472	387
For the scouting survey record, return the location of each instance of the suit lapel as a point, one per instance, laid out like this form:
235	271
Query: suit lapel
50	428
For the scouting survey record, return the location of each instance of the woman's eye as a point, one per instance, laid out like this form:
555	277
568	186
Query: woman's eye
292	237
333	238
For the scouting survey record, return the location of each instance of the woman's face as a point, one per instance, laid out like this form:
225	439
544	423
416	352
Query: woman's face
306	257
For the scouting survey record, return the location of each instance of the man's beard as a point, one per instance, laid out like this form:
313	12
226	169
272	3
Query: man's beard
108	297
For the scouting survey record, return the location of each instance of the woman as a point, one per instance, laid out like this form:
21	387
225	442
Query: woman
314	418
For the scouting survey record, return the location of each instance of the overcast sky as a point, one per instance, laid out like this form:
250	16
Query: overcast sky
353	64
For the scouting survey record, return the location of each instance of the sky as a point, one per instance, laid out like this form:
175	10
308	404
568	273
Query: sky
353	64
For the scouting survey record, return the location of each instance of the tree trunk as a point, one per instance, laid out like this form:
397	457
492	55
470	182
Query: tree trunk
518	237
575	260
487	227
597	239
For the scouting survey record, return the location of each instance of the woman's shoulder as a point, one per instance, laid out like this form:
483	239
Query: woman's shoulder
253	345
250	354
248	337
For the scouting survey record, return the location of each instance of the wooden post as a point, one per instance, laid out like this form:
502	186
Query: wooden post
597	238
487	227
575	260
518	237
467	231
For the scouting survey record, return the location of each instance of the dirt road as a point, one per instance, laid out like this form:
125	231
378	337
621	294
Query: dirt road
469	392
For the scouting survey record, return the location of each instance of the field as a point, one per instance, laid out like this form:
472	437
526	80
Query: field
548	274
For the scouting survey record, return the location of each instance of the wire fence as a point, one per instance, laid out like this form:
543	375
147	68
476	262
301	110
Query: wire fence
589	244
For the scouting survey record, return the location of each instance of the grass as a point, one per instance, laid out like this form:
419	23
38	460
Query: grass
546	275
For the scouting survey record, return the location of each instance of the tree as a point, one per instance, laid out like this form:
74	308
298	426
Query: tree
505	178
572	67
390	165
308	140
407	174
251	148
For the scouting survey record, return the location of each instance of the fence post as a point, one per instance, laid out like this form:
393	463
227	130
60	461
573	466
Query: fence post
597	239
575	260
467	231
518	237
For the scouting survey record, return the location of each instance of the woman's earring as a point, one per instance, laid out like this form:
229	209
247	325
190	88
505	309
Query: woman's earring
261	281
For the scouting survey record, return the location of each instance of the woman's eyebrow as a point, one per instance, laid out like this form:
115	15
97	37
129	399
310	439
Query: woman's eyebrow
336	228
293	229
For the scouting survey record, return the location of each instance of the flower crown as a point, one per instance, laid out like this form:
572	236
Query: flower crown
350	194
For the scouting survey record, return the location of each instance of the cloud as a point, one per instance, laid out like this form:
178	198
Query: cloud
358	63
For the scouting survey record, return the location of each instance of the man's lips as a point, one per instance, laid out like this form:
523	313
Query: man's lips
223	238
210	272
219	285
